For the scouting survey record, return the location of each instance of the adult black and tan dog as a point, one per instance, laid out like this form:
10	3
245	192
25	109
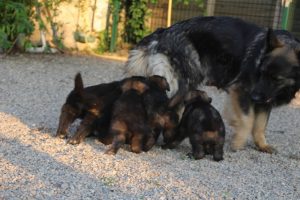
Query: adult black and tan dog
258	66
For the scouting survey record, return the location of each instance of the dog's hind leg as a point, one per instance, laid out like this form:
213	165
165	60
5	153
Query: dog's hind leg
260	123
241	118
118	130
137	142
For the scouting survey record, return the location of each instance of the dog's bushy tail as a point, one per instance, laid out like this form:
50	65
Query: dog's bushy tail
78	88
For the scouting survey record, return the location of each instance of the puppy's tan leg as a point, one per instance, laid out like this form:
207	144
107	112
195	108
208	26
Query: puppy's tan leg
118	130
241	120
258	132
137	143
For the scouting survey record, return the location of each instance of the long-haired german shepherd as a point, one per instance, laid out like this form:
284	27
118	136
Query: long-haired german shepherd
258	66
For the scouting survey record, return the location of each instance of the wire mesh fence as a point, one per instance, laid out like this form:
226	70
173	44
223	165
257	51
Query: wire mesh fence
267	13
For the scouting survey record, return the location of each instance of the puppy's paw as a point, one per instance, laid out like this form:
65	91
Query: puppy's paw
197	156
61	135
168	146
136	150
73	141
190	155
218	158
110	152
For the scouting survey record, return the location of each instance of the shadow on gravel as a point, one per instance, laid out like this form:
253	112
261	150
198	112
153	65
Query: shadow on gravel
52	174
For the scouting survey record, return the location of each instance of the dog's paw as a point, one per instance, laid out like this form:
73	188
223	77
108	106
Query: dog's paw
268	149
236	147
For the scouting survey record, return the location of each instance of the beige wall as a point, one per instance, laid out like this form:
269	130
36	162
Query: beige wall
70	17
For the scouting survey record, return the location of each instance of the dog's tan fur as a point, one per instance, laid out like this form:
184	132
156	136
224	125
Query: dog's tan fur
211	135
244	125
241	123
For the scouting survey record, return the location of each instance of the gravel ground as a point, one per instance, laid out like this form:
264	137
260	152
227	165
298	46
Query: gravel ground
36	165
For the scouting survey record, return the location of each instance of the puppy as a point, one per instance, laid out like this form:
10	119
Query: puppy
161	118
129	117
203	124
91	104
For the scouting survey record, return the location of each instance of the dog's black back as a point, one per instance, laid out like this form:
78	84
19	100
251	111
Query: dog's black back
206	49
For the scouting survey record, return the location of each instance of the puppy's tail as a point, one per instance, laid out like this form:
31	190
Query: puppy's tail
78	88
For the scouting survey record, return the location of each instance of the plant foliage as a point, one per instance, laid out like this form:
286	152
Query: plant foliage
135	27
14	20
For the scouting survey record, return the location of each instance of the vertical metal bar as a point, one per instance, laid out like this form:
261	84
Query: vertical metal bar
114	32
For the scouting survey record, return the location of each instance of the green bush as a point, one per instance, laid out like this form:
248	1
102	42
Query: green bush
14	20
104	41
135	26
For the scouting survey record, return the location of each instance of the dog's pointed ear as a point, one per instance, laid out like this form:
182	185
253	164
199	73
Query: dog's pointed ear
78	88
272	40
160	81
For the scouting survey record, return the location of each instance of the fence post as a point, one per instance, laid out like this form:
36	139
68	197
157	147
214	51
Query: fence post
114	32
287	14
169	18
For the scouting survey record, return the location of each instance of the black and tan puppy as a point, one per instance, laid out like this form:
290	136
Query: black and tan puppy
161	118
204	126
91	104
129	117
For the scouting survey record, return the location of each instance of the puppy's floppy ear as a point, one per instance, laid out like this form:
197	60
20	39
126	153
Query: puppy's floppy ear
196	95
78	88
272	41
191	96
126	85
205	97
161	82
140	86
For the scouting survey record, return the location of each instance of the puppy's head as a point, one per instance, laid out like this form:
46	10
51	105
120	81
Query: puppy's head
136	83
72	108
197	95
160	82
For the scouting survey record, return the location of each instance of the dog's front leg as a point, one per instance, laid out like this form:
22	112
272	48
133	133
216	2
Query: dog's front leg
66	118
261	118
84	129
241	117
